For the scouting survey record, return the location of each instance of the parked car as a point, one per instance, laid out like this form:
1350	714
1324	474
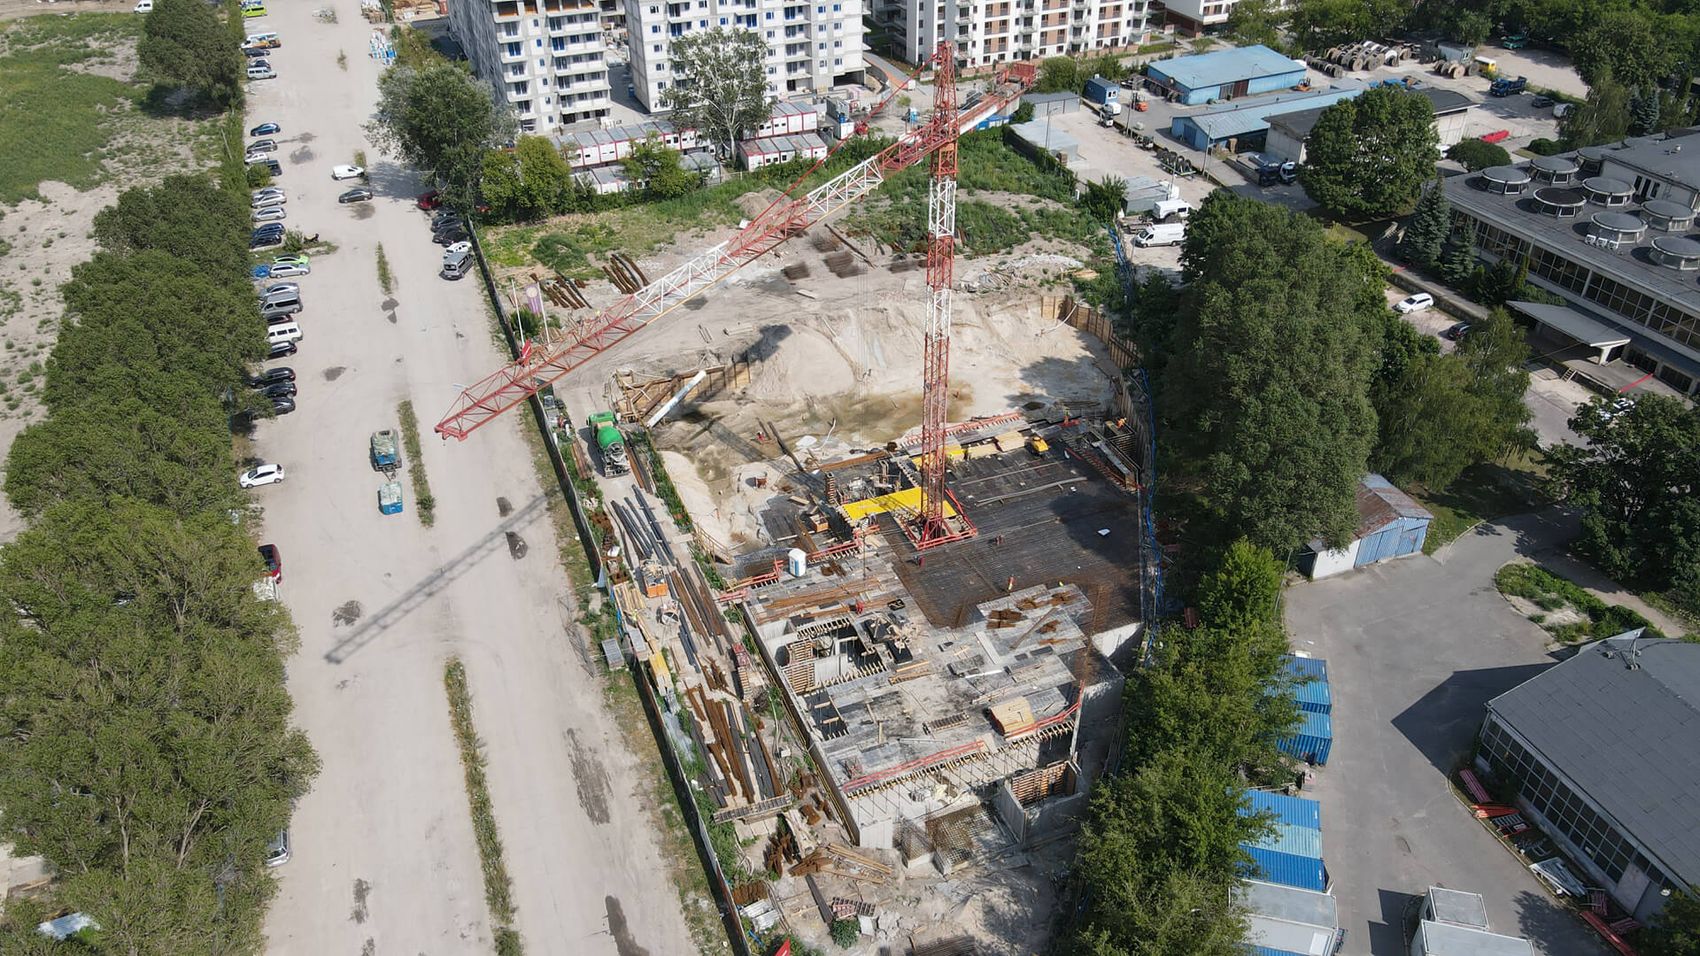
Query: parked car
1541	102
1414	303
340	173
1456	332
264	240
283	406
271	376
277	851
283	349
456	249
272	166
252	158
446	222
263	202
253	51
261	63
1497	136
258	72
280	288
283	270
1616	407
143	6
277	390
266	129
361	194
276	227
293	259
451	236
273	560
261	474
270	214
263	146
429	200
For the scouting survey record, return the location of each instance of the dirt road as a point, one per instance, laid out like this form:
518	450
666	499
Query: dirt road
384	857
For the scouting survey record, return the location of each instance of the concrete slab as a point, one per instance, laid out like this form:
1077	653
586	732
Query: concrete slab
1415	648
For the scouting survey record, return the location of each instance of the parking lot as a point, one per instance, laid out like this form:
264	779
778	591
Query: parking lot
384	859
1415	648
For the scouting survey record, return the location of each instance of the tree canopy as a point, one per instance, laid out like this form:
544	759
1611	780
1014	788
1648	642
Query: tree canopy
185	43
1637	484
655	169
1425	233
1474	154
719	85
1368	157
1603	118
1676	931
1267	377
441	119
531	181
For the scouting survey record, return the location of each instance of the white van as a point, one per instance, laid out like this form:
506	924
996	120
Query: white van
256	41
261	73
286	332
144	6
457	263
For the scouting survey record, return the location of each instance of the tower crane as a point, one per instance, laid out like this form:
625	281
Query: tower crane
790	215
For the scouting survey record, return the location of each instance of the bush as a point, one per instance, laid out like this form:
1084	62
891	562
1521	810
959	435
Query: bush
258	177
845	931
1475	154
1545	147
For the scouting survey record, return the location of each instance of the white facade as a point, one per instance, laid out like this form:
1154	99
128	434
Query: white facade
546	58
988	32
811	46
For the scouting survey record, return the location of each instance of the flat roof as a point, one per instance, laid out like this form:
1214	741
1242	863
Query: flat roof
1224	66
1457	907
785	142
1445	939
1035	132
1629	263
1578	325
1295	810
1250	116
1292	840
1620	720
1671	157
1299	124
1289	903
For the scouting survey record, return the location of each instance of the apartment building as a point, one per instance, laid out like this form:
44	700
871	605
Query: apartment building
988	32
811	46
1195	16
546	58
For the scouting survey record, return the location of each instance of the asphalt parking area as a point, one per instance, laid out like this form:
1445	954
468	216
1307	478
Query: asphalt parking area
1415	648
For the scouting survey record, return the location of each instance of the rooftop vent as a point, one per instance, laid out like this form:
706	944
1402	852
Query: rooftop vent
1560	202
1604	191
1618	225
1505	180
1666	215
1676	252
1557	170
1592	159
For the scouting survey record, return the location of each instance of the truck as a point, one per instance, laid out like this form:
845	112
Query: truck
1101	92
1508	87
1174	207
386	452
1160	234
610	443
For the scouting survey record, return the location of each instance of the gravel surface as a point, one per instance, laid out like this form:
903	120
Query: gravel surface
384	859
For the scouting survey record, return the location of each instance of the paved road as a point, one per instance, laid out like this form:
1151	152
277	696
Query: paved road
1415	649
384	858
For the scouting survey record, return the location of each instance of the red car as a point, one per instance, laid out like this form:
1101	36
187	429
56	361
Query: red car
274	561
430	200
1497	136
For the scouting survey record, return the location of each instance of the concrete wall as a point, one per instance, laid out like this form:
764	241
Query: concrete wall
1280	143
1450	128
1338	561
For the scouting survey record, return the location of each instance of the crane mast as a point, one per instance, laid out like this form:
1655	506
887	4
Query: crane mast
933	526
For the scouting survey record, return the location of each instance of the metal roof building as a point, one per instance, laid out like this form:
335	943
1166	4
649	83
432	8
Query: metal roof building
1291	856
1446	939
1604	750
1292	810
1287	921
1288	131
1249	120
1390	525
1223	74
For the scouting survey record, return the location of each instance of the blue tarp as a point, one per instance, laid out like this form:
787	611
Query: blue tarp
1296	811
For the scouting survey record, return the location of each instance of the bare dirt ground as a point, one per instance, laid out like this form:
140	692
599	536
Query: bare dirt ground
15	9
43	239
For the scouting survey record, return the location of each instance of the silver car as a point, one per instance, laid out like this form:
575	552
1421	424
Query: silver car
269	214
277	851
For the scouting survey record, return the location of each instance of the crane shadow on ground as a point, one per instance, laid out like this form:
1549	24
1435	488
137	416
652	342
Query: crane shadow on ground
497	540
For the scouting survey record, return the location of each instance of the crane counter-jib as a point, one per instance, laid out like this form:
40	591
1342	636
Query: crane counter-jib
787	216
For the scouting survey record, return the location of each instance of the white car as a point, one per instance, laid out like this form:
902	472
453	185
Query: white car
144	6
1414	303
456	249
269	214
261	475
347	172
285	270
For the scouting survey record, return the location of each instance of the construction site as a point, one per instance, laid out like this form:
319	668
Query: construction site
878	544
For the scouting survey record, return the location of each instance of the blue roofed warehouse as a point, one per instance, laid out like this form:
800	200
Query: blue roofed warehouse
1224	74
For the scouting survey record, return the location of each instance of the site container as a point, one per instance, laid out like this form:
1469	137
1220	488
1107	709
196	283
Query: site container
1295	811
1314	739
1291	856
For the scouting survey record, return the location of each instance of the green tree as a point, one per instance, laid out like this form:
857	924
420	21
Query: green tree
1457	259
441	119
1255	22
655	168
1105	199
531	181
1060	74
413	48
1243	591
1443	413
1426	231
844	932
1266	386
1317	25
719	86
188	217
147	751
1637	485
1473	154
1644	112
1368	157
1471	28
185	44
1602	118
1676	930
1625	44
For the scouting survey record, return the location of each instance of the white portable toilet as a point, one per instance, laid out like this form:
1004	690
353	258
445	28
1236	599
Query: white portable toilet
797	562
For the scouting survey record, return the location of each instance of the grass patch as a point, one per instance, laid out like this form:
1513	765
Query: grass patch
423	503
1482	493
386	280
1564	601
56	122
498	888
639	441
